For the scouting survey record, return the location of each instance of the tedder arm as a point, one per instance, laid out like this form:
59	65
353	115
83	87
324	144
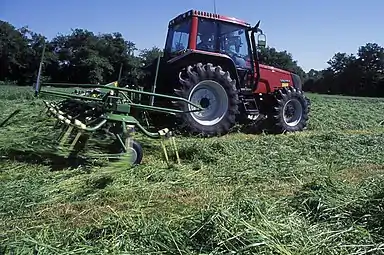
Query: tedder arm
107	87
114	110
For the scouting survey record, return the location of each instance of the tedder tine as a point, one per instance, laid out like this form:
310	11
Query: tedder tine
167	138
75	140
165	150
65	136
163	134
9	117
175	150
64	129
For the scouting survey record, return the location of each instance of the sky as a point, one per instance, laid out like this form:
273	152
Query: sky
312	31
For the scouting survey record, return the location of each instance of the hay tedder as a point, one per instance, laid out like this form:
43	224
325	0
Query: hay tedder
208	79
103	111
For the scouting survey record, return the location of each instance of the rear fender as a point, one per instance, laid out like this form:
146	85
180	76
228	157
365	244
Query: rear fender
195	56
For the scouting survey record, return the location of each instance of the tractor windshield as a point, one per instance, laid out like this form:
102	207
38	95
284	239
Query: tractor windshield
226	38
178	36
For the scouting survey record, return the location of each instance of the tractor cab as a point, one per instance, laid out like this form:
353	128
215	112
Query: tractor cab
202	31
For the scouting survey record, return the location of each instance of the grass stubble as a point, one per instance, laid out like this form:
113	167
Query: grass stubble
316	192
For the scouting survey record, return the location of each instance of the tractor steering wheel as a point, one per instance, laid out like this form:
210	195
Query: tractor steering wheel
238	59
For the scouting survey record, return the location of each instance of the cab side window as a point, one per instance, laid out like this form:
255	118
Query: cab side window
206	35
178	36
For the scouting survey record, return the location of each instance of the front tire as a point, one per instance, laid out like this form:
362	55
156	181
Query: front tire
215	91
290	110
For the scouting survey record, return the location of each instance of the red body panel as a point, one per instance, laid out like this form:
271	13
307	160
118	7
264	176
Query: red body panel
272	78
233	20
193	35
218	17
196	13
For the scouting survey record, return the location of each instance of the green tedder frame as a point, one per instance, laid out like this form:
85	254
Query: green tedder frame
107	107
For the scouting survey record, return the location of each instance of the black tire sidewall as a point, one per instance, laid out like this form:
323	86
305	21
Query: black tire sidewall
136	146
139	152
281	97
189	124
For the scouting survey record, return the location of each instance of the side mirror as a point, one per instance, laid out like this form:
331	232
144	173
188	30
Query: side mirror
261	40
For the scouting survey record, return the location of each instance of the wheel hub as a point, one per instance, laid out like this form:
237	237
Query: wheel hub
204	102
211	96
292	112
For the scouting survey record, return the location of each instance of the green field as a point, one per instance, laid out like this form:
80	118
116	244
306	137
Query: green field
316	192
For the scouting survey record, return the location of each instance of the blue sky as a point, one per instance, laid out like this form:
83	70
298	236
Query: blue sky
311	30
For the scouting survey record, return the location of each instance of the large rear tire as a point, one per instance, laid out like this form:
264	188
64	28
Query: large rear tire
290	110
215	91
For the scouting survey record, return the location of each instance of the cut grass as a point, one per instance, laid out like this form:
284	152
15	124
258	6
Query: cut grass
315	192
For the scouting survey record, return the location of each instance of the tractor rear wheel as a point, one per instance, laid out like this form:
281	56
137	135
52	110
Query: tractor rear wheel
290	109
214	90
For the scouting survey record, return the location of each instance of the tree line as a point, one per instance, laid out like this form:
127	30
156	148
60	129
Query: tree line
79	57
84	57
348	74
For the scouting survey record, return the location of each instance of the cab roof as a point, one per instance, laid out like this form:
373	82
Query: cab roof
208	15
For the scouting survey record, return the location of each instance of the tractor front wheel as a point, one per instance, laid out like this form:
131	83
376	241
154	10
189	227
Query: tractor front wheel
213	90
290	109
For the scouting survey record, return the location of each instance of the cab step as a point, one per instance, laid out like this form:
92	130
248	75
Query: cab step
250	106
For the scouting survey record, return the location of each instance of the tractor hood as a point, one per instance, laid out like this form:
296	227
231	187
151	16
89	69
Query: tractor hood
274	69
276	78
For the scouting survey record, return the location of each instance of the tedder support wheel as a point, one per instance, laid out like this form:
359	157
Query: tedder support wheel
136	151
215	91
290	109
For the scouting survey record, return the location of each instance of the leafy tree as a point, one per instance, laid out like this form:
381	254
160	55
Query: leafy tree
149	55
371	62
13	50
280	59
358	75
79	57
85	57
20	53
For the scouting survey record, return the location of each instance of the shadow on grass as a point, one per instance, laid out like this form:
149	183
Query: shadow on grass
254	129
55	161
325	202
257	127
370	214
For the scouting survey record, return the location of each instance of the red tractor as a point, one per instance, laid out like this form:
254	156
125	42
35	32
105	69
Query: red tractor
212	60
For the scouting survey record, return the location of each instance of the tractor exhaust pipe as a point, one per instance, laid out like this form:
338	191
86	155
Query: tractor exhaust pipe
255	56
